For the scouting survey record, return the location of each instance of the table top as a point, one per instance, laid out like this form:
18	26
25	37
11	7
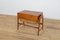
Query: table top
31	12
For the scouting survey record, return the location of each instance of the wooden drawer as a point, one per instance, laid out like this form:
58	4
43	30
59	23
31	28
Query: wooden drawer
28	17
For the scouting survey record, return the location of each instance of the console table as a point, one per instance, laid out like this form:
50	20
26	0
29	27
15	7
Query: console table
30	16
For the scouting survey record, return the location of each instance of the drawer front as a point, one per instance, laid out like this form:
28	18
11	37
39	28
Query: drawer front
28	17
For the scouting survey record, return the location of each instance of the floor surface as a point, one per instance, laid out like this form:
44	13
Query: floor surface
8	30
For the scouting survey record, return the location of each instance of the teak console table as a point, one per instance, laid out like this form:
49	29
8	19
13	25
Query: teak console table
30	16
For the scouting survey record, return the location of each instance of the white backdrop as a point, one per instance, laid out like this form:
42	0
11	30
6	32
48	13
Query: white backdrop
50	8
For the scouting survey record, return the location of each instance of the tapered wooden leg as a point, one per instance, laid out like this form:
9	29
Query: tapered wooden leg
17	26
17	22
38	28
38	25
42	21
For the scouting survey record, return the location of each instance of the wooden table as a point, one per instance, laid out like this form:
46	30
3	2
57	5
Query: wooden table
30	16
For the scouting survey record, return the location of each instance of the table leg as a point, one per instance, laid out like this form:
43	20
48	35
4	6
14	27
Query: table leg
17	22
42	21
38	25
